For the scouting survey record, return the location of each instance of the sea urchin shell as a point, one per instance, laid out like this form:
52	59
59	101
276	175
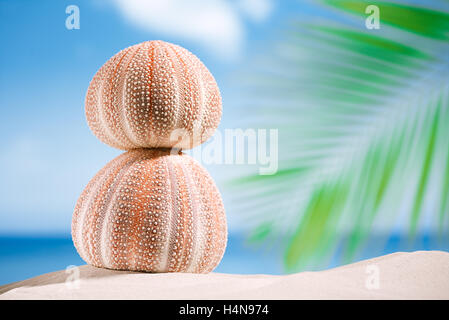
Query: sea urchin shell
149	210
153	95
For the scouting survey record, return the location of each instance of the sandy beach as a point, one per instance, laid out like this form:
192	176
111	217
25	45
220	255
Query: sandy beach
416	275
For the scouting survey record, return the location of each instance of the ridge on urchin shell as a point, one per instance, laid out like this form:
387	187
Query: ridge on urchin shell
149	210
153	95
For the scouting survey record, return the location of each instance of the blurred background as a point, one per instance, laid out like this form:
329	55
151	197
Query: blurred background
362	116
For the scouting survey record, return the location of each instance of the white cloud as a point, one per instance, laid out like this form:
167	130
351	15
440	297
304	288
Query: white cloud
257	10
216	24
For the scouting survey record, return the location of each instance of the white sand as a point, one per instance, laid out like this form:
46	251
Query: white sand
417	275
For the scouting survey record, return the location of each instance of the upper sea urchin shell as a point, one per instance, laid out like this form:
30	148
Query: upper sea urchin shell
153	95
151	211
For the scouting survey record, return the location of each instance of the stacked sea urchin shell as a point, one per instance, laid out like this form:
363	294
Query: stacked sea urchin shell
153	208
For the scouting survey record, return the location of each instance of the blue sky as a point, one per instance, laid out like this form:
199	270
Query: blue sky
48	153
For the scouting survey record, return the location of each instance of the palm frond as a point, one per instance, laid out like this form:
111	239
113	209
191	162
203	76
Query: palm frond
363	120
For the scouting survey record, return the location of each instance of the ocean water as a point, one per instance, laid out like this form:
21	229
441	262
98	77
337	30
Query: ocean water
26	257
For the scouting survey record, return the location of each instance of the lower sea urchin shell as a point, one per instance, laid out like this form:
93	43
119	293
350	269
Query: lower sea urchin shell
148	210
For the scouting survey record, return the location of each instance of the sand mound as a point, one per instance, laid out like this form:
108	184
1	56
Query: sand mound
416	275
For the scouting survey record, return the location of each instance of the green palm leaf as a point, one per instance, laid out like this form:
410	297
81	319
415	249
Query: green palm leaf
422	21
363	120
